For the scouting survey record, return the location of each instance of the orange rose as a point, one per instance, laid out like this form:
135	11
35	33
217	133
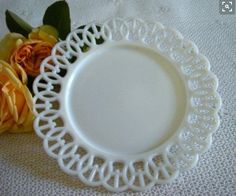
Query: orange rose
15	102
29	56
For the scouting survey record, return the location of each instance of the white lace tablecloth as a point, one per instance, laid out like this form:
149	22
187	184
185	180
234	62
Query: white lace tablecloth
25	169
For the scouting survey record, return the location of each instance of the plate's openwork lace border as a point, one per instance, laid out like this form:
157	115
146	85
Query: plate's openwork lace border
182	151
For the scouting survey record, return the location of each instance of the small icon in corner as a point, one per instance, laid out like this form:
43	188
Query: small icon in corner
227	7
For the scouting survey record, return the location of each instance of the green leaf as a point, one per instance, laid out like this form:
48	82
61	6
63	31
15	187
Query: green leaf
58	16
16	24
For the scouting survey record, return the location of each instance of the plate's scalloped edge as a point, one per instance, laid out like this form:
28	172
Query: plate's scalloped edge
194	136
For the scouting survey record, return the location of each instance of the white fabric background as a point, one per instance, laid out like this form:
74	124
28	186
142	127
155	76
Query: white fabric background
26	170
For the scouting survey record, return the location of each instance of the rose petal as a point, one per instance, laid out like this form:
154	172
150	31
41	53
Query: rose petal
8	44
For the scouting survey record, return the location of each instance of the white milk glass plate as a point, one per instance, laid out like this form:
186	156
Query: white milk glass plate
126	104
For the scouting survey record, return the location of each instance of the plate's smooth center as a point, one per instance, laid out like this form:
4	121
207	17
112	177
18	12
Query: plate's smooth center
125	99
